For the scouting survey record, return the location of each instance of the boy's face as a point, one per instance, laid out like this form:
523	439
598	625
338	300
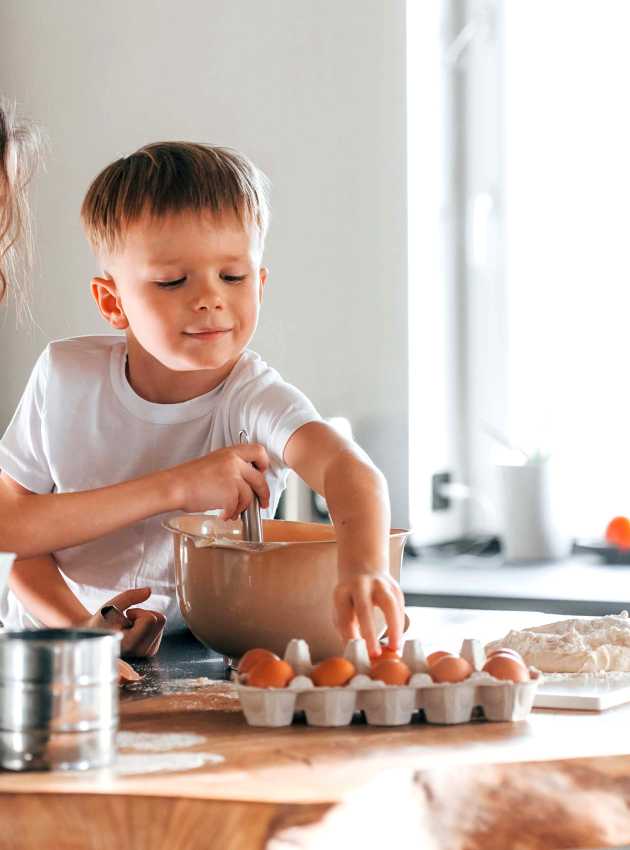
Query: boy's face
187	288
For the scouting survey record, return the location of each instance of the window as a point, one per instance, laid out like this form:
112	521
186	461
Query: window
532	210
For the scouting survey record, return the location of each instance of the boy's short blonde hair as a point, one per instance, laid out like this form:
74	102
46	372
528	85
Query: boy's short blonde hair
167	177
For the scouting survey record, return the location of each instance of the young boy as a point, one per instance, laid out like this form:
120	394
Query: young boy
114	431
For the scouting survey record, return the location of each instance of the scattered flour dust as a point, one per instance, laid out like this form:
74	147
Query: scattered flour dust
156	752
176	686
156	742
596	677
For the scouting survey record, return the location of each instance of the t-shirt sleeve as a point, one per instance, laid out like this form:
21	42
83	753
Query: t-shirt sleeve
23	446
272	411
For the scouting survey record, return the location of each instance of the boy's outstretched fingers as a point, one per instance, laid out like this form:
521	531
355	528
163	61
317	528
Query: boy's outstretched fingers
353	610
355	599
343	613
362	599
391	604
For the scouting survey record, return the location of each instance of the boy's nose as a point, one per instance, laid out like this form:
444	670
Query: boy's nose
207	298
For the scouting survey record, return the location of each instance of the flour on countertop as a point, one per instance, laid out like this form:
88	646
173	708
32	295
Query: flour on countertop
156	742
171	761
157	751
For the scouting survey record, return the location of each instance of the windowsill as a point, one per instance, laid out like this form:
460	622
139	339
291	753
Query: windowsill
579	585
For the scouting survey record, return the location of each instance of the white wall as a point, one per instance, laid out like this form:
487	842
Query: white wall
313	91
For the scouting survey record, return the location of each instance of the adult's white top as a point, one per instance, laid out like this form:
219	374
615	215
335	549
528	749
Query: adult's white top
80	426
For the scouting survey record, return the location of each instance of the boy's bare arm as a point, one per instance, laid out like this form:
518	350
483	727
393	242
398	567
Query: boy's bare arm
33	524
357	497
39	586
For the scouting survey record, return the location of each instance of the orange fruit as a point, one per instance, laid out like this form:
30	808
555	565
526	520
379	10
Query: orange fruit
333	673
270	673
392	671
618	532
252	657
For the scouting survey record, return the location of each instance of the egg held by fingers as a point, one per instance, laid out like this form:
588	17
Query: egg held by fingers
386	653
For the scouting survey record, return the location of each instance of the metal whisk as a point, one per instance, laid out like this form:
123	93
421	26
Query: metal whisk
252	523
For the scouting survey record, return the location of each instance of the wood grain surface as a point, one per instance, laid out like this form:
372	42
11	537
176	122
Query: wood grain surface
558	779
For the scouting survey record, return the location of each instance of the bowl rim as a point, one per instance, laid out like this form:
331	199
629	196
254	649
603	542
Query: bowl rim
168	523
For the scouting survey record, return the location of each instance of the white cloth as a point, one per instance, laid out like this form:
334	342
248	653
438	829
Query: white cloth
80	426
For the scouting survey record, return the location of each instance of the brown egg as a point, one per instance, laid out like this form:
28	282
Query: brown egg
270	673
450	668
505	651
506	667
386	652
333	673
434	657
252	657
392	671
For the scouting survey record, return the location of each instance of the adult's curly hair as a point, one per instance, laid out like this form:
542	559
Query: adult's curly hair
21	145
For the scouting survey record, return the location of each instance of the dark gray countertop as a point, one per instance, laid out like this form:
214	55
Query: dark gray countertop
181	659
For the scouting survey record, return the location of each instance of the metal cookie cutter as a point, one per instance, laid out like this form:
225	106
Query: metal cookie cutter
116	618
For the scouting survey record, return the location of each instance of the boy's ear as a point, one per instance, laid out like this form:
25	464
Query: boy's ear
263	275
108	301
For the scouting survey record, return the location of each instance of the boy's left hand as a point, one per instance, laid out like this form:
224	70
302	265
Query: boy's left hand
142	638
355	598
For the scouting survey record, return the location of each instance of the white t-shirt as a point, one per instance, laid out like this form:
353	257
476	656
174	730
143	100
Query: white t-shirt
80	426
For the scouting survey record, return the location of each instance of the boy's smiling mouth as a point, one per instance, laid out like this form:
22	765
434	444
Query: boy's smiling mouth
207	333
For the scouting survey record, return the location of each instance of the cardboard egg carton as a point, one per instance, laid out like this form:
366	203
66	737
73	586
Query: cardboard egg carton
387	705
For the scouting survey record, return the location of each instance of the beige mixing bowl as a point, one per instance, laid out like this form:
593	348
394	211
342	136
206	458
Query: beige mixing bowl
236	595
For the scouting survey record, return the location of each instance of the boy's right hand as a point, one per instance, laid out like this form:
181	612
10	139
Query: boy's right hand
140	640
226	479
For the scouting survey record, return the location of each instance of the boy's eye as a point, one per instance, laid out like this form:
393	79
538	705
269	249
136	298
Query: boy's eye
233	278
166	283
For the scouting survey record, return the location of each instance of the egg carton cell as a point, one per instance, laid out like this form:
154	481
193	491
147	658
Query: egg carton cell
387	705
